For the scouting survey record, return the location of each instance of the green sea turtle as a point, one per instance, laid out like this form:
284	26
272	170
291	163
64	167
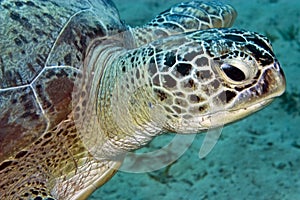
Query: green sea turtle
79	89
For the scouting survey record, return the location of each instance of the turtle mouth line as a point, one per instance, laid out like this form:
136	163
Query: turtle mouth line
234	115
253	108
221	118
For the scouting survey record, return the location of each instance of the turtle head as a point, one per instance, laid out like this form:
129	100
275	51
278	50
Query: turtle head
209	78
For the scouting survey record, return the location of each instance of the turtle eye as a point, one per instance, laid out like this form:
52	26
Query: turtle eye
235	72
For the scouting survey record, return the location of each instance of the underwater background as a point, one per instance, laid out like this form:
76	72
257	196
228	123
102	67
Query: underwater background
255	158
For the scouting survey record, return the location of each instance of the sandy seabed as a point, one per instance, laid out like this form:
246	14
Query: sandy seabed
256	158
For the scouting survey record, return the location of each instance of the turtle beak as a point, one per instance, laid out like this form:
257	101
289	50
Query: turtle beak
271	84
281	78
275	81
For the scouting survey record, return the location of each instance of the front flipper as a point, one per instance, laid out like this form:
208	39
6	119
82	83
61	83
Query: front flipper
73	186
87	179
186	17
55	166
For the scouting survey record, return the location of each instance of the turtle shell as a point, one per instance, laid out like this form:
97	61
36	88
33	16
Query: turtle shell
43	46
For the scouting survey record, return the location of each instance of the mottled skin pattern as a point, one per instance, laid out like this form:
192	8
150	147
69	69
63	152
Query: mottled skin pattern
78	88
184	18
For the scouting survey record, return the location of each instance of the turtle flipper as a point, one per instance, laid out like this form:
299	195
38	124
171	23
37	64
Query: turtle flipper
87	178
22	180
186	17
62	168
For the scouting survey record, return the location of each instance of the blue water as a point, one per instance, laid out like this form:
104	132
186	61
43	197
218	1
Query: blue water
256	158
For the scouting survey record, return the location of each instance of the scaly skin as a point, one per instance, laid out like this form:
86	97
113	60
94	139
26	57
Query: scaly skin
186	17
174	84
126	94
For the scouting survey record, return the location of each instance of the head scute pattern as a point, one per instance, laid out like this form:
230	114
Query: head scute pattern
79	89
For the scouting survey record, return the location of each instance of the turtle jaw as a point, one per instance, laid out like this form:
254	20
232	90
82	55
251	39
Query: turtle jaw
270	85
222	118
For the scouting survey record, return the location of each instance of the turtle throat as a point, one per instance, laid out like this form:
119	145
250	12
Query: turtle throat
119	95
